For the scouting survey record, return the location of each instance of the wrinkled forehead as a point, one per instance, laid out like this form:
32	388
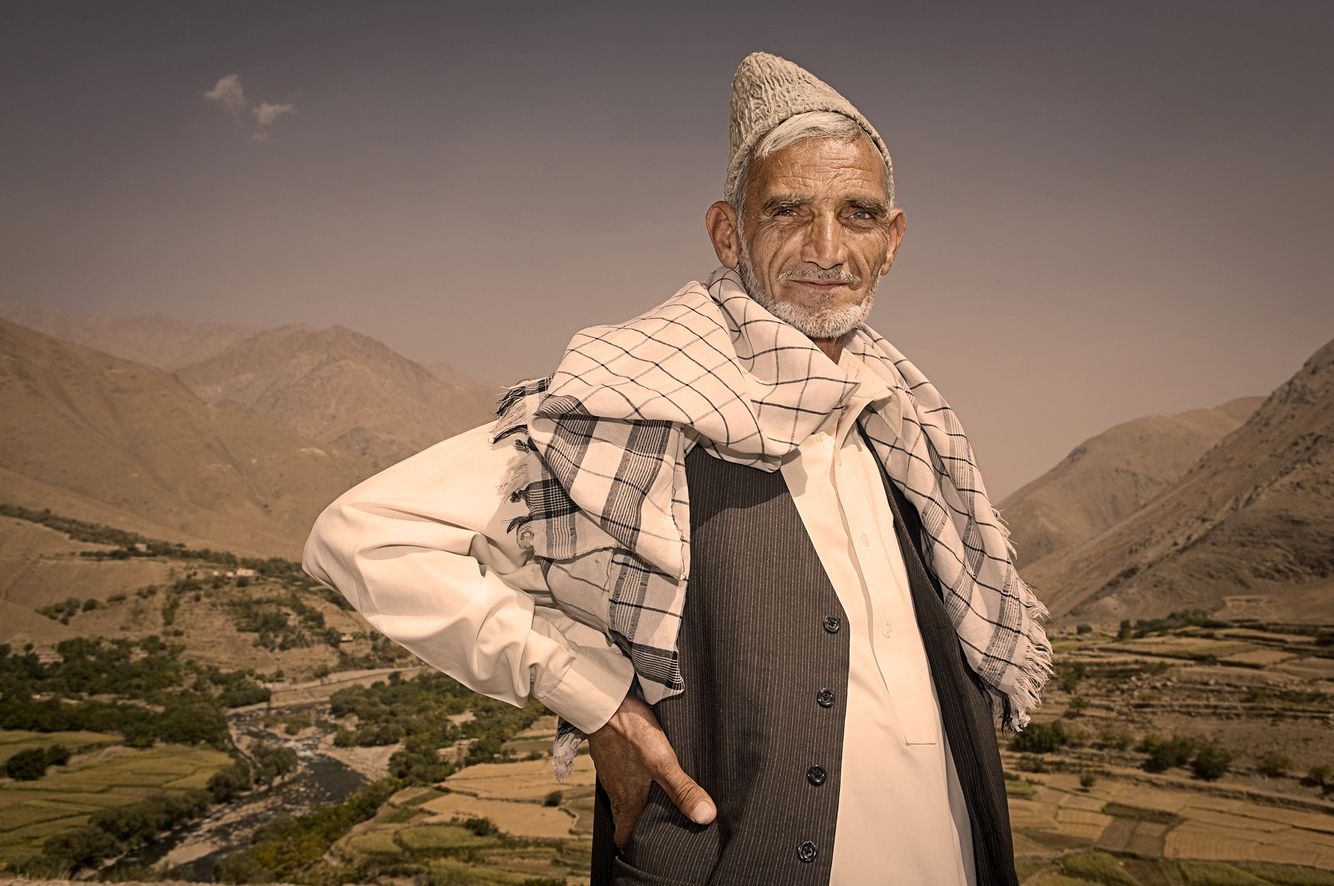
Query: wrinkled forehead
820	167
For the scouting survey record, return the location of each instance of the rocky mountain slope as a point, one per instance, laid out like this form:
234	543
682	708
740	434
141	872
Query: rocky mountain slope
1254	516
155	339
100	438
1113	474
341	387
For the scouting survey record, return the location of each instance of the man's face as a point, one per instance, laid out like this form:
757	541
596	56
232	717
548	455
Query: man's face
817	233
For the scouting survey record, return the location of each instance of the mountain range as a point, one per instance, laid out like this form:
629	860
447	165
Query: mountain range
1224	508
1248	527
1110	476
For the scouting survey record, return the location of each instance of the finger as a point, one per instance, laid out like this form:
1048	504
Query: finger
625	815
693	801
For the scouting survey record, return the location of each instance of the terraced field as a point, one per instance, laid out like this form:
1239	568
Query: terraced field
111	776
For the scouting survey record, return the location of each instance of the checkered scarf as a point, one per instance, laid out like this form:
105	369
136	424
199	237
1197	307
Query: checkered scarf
601	468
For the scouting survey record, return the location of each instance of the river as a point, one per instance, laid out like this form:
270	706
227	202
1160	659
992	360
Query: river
319	780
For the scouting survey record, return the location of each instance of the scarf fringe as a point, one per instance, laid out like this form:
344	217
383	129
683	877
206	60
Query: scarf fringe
564	750
1036	667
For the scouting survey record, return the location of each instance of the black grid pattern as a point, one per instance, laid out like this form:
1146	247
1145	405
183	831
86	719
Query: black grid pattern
602	444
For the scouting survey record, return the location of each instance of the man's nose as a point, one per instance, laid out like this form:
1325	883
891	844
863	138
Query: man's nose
824	242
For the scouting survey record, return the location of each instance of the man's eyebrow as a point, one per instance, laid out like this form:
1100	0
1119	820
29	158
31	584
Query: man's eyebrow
877	208
792	201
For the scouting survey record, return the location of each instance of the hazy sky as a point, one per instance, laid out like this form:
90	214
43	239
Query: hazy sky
1113	209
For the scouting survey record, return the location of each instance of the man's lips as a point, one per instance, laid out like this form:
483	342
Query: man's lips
821	284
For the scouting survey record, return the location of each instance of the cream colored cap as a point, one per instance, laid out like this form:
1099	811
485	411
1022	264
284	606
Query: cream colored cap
766	90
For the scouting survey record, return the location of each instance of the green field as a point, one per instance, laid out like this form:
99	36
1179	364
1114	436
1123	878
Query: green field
31	811
11	742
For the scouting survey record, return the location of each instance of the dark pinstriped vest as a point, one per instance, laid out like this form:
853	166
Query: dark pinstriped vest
760	726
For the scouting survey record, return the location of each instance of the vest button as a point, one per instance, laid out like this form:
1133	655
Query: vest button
807	851
832	623
816	775
825	698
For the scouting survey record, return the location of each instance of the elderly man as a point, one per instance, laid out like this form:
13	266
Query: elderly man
738	542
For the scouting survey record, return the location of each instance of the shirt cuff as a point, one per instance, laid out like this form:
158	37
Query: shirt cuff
591	689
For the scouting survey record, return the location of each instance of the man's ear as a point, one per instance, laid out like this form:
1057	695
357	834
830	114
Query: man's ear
720	221
898	223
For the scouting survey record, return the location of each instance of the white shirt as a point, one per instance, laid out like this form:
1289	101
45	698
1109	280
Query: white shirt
421	550
901	811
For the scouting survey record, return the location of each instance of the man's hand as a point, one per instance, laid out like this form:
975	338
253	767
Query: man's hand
630	753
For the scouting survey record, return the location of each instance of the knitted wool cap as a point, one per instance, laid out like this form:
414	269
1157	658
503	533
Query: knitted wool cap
766	90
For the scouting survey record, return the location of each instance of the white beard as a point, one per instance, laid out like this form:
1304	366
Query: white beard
813	321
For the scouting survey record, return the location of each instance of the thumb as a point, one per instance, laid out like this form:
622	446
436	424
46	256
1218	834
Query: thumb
693	801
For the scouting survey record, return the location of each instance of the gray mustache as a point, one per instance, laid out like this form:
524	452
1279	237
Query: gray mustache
832	276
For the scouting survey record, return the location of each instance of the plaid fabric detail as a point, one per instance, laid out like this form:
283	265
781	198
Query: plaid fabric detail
601	446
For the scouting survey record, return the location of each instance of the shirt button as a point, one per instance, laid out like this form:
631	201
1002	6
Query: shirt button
832	623
807	851
816	775
887	629
825	698
865	540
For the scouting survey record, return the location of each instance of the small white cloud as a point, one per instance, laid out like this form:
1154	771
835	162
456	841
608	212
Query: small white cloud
267	112
228	92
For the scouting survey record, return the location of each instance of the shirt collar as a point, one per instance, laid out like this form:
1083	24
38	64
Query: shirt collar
870	390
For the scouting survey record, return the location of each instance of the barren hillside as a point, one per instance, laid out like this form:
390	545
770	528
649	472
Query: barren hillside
1254	516
109	440
1110	476
341	387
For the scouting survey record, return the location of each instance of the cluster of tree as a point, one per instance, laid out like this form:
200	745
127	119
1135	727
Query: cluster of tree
235	688
1185	618
1041	738
95	666
270	619
281	849
111	832
1206	759
271	761
417	712
184	719
31	764
136	688
68	608
383	653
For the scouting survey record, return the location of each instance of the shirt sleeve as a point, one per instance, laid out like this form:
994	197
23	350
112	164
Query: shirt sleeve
422	552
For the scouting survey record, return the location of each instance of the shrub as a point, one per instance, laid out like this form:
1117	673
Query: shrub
229	782
1273	764
272	761
1116	739
85	845
1084	629
553	799
1032	763
482	827
1166	753
1087	780
31	764
1040	738
1319	777
1211	762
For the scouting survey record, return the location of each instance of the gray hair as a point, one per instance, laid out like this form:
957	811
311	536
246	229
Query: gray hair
799	127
